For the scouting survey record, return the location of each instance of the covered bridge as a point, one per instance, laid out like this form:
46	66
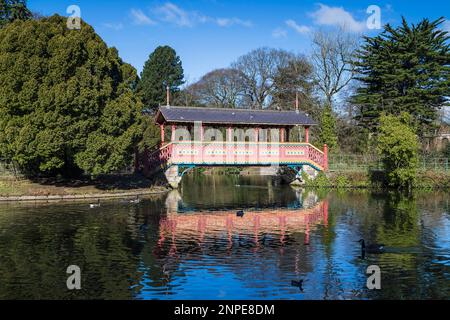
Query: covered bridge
229	137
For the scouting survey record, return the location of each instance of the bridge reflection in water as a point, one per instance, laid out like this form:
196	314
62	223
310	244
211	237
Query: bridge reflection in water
258	225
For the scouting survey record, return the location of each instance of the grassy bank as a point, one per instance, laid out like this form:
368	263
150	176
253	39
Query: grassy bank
426	180
107	185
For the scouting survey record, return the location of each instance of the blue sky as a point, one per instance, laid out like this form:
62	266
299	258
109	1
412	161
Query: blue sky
209	34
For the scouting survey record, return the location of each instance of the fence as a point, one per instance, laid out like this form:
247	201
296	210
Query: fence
351	162
435	164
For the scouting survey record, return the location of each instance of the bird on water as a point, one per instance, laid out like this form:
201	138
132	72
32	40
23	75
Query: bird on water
136	200
372	248
95	205
298	284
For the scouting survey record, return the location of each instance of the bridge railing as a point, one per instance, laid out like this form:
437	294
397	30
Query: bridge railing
151	160
235	153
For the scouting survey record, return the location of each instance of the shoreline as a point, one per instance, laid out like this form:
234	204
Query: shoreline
111	186
122	187
55	197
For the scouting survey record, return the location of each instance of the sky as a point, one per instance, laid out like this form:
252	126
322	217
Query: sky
210	34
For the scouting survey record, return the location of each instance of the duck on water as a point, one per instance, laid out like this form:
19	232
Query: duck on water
372	248
95	205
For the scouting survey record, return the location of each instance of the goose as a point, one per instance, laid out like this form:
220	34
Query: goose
371	248
240	213
95	205
298	284
137	200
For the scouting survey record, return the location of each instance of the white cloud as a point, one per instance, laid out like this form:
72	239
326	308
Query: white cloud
172	13
298	28
227	22
338	17
446	25
114	26
141	18
279	33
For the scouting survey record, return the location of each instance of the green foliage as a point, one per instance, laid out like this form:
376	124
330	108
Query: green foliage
151	135
11	10
398	147
352	139
327	133
162	69
306	178
342	182
321	180
66	100
404	69
400	213
429	180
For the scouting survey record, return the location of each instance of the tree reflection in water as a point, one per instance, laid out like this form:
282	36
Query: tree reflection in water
191	245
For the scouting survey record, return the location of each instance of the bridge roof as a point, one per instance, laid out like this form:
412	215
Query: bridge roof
172	114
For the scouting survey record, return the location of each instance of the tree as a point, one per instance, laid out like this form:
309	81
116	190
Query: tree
66	100
162	69
151	135
398	147
332	55
11	10
221	88
293	83
259	69
327	133
404	69
4	14
186	97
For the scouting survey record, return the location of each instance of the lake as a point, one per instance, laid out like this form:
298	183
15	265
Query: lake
192	244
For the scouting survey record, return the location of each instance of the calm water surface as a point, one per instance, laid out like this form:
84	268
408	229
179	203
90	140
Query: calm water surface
191	245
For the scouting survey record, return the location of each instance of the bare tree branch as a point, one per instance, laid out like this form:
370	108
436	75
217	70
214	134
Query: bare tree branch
332	59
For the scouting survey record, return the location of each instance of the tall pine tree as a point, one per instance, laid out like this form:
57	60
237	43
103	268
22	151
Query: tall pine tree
162	69
404	69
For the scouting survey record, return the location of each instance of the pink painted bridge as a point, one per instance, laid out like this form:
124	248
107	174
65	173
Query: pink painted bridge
229	137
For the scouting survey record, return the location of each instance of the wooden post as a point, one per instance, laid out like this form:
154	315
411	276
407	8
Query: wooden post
174	128
256	148
161	127
307	134
325	157
282	130
229	134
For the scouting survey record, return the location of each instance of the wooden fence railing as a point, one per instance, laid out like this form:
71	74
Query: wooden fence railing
365	162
